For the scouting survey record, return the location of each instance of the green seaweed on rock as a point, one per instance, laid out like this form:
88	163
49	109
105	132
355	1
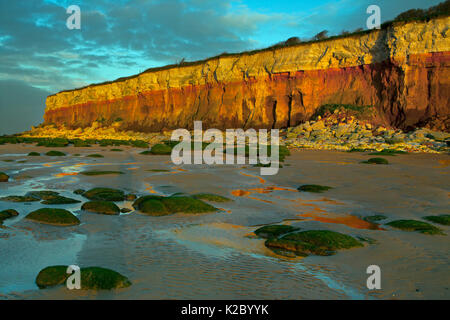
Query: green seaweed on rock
92	278
317	242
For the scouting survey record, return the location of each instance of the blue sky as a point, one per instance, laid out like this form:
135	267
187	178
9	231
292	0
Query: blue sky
40	56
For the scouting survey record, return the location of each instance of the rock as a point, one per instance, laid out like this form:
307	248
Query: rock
125	210
319	125
211	197
4	177
50	197
103	207
342	129
414	225
92	278
160	149
274	231
315	188
104	194
55	154
376	161
158	206
318	242
95	156
60	200
34	154
7	214
42	194
19	199
443	219
57	217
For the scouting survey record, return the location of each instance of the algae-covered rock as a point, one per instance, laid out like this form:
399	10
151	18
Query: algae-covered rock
58	217
376	161
103	207
9	213
42	194
160	149
50	197
60	200
414	225
92	278
315	188
187	205
274	231
443	219
211	197
34	154
125	210
52	276
154	207
95	155
158	205
318	242
105	194
19	199
4	177
55	154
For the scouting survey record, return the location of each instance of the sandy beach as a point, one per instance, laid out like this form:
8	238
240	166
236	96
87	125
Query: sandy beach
216	255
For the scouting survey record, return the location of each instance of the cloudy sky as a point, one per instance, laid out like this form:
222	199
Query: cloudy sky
39	55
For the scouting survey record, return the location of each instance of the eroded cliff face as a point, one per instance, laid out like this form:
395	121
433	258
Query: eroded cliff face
403	71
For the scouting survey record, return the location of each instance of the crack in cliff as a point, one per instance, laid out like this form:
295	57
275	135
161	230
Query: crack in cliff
274	114
289	110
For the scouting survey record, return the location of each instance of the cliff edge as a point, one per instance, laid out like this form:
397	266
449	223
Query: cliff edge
402	70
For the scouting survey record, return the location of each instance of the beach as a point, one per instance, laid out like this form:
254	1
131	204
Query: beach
217	255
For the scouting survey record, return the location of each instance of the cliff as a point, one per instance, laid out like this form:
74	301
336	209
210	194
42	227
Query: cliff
402	70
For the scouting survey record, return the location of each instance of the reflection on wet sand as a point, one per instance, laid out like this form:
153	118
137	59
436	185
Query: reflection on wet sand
347	219
149	189
65	174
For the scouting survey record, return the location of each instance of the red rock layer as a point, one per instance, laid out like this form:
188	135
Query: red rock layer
406	93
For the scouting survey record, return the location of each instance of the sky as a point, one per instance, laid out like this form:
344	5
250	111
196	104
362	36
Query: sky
40	56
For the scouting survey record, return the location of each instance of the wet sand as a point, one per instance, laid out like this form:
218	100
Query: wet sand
217	256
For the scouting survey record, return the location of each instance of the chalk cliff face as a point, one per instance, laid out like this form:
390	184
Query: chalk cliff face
402	70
